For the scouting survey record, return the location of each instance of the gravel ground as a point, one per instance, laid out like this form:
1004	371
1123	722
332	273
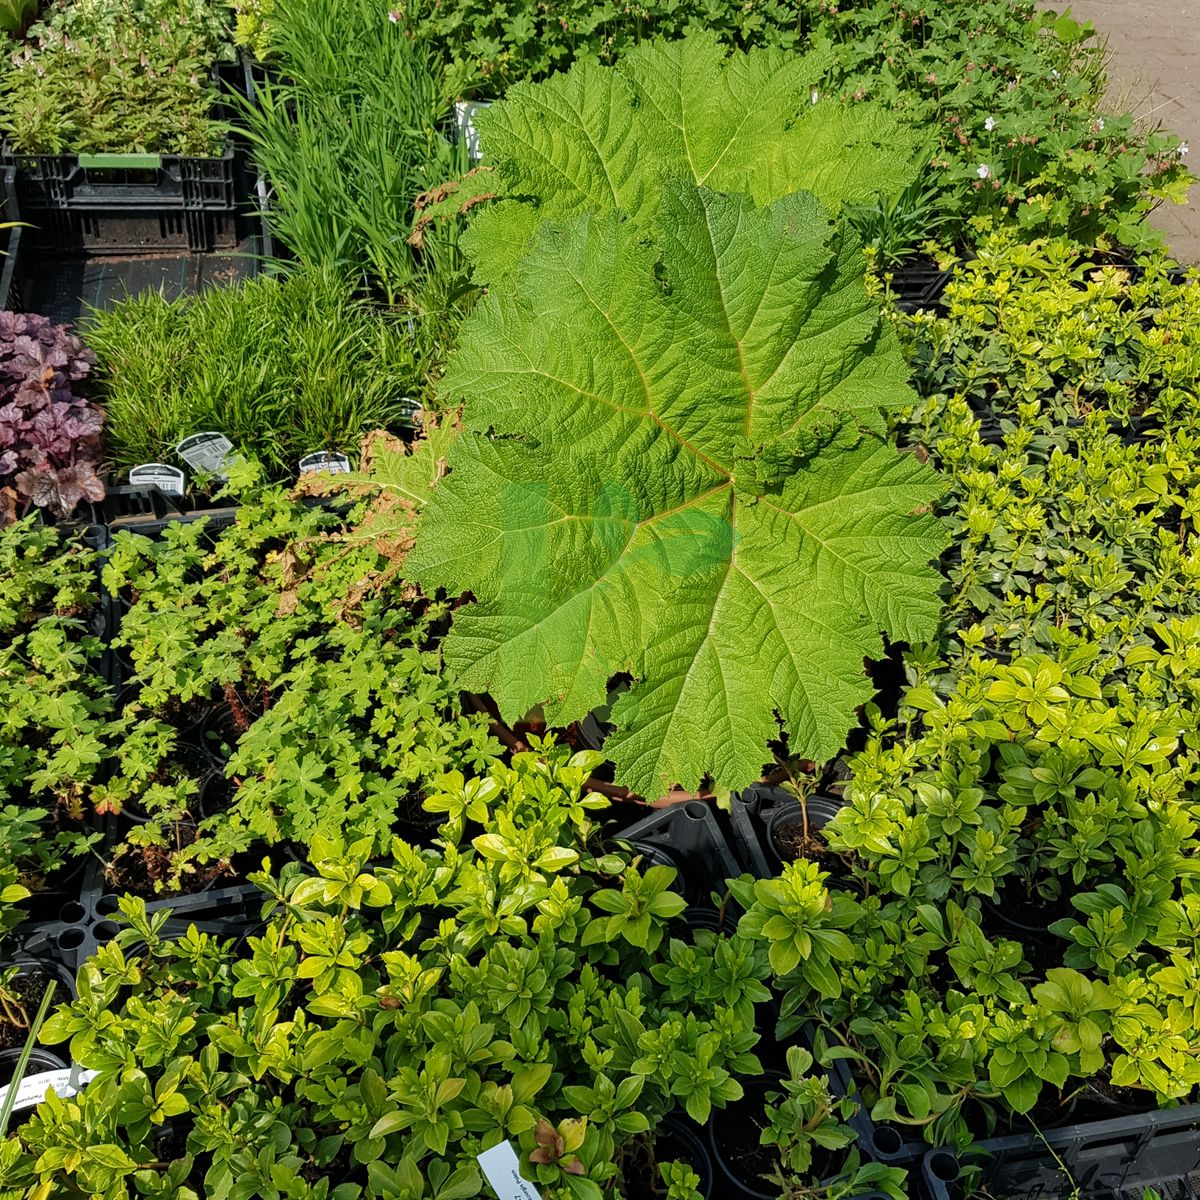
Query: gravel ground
1155	73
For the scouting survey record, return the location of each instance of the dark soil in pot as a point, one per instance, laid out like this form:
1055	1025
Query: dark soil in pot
674	1141
23	995
1100	1100
794	831
141	870
734	1135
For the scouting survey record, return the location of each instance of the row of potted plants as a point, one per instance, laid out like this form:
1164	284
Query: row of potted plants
944	915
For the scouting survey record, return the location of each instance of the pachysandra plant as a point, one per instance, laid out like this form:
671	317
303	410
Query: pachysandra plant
670	467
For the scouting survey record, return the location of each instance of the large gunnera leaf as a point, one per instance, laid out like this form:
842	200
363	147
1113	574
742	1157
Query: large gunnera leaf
667	478
602	138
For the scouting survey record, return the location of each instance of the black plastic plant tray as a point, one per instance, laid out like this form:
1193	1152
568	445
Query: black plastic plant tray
115	231
155	184
78	182
64	286
1118	1159
87	923
878	1142
218	519
686	836
917	288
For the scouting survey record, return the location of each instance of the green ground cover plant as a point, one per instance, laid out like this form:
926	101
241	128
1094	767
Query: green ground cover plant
1037	793
360	1048
55	706
283	366
1069	534
1012	103
283	644
1017	854
96	76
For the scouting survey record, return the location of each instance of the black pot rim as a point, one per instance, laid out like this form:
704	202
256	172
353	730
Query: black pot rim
820	809
763	1083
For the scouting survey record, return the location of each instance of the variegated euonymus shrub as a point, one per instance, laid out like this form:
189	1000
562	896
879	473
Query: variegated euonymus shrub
672	465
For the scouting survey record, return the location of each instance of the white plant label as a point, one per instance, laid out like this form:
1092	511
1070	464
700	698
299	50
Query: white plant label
33	1088
208	452
503	1171
323	460
411	411
169	480
464	114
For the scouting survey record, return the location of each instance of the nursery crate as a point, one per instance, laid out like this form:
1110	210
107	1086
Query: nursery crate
43	276
1118	1159
687	837
123	203
121	231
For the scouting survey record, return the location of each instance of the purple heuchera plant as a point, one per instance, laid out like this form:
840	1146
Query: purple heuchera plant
49	436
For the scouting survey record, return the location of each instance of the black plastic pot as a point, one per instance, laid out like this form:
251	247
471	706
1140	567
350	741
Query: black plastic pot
737	1128
214	735
678	1140
593	730
791	815
193	761
1012	919
703	916
39	1060
760	812
64	992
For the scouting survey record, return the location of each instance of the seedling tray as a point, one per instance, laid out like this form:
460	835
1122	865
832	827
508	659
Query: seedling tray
1117	1159
686	836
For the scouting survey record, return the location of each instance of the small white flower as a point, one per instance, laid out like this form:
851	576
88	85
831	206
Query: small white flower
1099	126
990	124
983	171
814	96
1183	149
1055	75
